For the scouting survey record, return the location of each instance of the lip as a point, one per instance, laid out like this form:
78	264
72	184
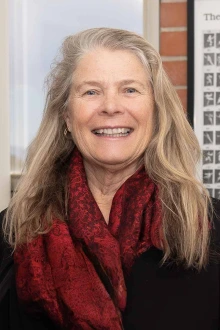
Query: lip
112	127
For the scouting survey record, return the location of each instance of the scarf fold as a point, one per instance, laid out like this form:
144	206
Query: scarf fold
75	273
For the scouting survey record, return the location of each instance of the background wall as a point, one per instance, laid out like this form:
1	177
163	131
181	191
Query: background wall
4	109
173	43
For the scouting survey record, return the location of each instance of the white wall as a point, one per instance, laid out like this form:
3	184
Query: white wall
4	108
151	22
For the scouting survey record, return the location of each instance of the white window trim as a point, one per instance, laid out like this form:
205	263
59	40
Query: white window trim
4	108
151	21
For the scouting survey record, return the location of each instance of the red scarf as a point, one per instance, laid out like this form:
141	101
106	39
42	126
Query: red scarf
75	273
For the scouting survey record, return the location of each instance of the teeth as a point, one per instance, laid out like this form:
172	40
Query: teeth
113	131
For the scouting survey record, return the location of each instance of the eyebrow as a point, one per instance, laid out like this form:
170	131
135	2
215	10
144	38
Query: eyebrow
99	83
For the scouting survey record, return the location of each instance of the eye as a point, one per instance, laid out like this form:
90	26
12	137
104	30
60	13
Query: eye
90	92
130	90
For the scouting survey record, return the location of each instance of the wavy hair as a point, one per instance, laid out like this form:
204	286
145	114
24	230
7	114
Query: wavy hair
170	158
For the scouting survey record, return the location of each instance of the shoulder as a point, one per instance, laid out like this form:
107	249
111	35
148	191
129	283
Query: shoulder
215	215
2	241
2	214
5	250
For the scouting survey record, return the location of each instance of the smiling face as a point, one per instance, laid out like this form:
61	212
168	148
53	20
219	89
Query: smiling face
110	111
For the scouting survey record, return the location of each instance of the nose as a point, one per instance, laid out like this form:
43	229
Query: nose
112	104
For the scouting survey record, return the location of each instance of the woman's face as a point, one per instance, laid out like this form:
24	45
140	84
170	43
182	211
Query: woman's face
110	112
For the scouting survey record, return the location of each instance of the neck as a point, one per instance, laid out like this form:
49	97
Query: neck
104	182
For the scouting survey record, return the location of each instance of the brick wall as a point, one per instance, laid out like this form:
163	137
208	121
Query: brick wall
173	43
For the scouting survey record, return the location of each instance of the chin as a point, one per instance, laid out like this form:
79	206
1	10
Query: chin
114	161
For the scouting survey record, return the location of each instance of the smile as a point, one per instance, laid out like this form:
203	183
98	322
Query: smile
113	132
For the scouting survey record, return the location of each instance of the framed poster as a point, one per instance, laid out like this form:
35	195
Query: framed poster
204	86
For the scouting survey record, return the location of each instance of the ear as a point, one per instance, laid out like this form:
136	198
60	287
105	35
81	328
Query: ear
67	119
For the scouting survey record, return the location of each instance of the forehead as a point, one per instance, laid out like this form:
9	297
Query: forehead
104	62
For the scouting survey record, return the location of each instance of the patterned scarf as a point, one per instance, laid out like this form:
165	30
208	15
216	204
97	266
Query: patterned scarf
75	273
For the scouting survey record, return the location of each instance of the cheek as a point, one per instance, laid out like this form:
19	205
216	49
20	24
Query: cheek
147	116
148	124
82	113
79	125
75	119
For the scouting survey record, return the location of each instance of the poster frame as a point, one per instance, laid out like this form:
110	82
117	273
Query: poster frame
203	81
190	61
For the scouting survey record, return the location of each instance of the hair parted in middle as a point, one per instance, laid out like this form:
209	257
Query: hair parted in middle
170	158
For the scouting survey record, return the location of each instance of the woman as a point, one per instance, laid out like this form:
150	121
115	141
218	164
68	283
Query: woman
109	224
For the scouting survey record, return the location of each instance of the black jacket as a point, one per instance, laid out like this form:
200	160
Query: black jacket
159	297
